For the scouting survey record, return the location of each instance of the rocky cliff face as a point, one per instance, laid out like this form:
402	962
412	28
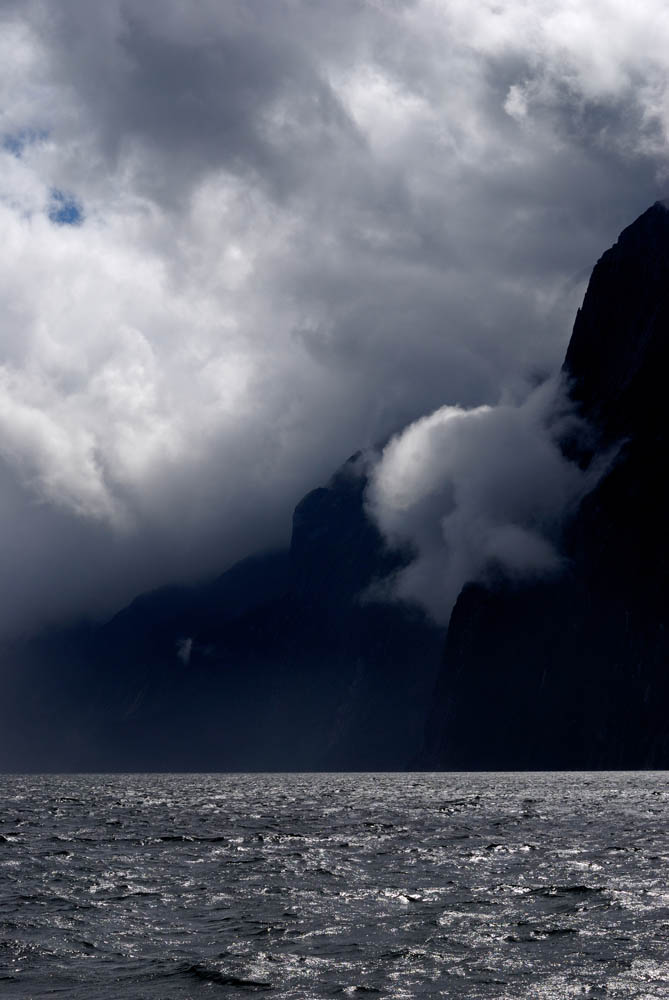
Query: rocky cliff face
574	673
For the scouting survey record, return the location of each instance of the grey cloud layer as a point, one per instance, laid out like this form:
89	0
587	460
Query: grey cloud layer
305	225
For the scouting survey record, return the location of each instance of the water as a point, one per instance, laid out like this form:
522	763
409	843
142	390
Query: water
467	885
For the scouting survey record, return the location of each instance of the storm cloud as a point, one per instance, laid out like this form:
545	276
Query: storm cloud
242	240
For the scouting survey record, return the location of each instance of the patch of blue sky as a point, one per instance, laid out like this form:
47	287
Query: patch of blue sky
16	142
64	209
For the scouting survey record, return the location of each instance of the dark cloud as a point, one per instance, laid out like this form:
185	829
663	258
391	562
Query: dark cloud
302	226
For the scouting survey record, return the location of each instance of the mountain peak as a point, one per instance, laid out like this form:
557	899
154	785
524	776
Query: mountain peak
619	351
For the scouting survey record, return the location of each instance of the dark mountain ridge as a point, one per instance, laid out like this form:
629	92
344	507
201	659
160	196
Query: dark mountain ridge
573	673
279	664
282	664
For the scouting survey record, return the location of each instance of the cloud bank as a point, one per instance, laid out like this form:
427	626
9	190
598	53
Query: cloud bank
242	240
470	492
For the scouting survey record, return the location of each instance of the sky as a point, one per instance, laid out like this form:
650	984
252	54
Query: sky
242	240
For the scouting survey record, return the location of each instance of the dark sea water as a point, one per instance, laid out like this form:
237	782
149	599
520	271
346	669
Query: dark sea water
396	885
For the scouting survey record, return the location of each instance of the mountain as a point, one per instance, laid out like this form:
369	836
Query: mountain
279	664
284	662
574	672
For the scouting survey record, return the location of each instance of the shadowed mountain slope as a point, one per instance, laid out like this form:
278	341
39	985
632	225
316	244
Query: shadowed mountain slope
279	664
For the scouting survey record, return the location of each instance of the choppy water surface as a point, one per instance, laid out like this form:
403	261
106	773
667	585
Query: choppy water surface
468	885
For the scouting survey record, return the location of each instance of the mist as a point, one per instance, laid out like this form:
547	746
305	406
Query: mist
470	493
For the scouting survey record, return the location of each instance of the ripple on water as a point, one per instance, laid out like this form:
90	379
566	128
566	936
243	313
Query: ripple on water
530	886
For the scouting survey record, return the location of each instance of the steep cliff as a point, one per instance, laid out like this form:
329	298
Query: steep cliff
574	672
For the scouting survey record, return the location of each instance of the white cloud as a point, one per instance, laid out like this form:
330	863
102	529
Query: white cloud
470	491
